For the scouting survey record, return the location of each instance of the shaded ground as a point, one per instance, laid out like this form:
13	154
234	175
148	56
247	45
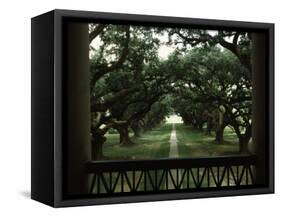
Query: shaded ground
192	143
156	144
170	141
152	144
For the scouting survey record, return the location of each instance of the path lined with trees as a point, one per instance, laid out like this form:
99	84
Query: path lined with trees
212	79
206	80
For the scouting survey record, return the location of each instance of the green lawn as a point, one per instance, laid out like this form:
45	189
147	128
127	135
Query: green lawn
151	145
155	144
192	143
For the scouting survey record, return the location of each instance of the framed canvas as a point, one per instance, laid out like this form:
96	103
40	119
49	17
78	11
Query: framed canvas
130	108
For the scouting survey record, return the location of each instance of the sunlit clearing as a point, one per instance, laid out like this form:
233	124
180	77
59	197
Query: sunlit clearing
174	119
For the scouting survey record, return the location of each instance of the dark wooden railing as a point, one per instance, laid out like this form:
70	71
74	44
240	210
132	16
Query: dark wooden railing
111	177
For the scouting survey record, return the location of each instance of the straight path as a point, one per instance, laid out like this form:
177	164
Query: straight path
174	153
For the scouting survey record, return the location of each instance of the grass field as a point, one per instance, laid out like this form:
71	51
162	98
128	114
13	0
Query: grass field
152	144
155	144
192	143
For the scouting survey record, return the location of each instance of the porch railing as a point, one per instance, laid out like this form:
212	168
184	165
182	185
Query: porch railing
142	176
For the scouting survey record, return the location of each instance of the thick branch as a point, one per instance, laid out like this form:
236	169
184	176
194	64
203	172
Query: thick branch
110	101
192	40
139	114
233	47
100	71
98	29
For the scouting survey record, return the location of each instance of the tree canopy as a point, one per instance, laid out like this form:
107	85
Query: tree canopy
206	79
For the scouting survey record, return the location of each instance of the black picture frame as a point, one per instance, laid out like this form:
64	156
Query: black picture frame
47	111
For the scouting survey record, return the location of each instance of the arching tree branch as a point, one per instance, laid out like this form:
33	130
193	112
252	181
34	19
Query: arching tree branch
97	30
101	70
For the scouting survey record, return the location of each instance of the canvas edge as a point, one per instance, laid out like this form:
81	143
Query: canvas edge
58	197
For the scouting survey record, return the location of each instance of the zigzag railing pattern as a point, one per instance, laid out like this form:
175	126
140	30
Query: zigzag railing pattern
111	177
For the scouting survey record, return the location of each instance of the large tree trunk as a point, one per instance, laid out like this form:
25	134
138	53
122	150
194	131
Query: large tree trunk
243	143
136	129
244	140
97	144
194	124
219	134
209	126
220	125
200	126
124	135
